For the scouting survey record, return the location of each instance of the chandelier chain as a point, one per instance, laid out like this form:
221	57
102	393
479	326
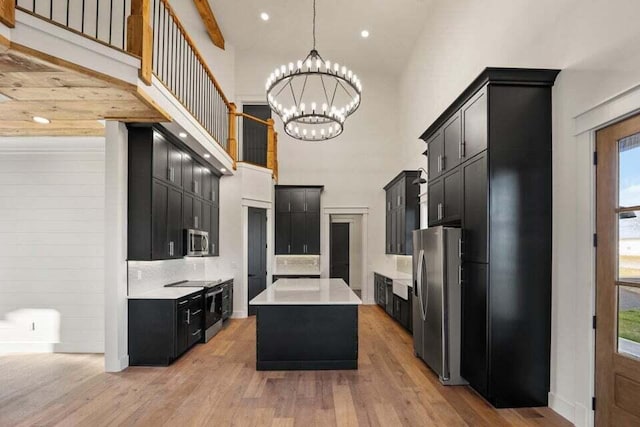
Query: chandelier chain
314	24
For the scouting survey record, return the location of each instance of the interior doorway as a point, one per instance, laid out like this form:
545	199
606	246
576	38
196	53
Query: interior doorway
618	274
339	253
257	254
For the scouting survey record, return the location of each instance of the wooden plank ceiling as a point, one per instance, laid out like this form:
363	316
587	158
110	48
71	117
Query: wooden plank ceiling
72	98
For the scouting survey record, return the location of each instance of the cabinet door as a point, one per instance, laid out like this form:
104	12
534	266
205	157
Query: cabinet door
182	327
376	291
474	326
197	179
174	223
214	236
298	199
283	200
474	218
388	232
187	173
401	193
298	233
313	233
436	203
187	211
394	232
160	157
452	196
160	246
435	154
206	220
175	165
474	116
401	234
313	200
452	143
215	190
197	214
206	184
283	233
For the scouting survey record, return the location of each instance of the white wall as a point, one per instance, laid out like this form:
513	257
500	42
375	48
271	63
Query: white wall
52	251
353	167
595	44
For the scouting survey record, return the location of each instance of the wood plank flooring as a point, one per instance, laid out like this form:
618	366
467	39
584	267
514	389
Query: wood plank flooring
216	384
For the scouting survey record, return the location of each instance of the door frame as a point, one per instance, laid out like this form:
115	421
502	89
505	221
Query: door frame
325	246
243	310
610	111
351	241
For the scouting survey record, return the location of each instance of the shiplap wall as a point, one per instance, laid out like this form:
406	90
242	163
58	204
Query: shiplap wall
52	243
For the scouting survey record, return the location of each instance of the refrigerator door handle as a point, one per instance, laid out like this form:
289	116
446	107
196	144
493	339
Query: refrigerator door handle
420	283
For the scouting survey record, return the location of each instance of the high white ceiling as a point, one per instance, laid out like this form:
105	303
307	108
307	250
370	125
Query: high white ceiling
393	27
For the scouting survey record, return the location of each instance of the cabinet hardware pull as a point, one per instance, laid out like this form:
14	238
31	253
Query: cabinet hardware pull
196	297
289	248
213	195
188	317
170	248
183	302
195	220
460	274
440	214
439	163
195	313
289	208
213	246
462	148
196	332
398	200
460	248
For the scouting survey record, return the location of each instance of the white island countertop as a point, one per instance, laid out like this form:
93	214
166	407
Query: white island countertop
307	292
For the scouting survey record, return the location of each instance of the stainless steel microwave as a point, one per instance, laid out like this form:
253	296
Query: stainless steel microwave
197	242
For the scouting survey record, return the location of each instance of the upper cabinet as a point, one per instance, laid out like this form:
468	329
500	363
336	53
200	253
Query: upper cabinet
297	224
402	213
170	190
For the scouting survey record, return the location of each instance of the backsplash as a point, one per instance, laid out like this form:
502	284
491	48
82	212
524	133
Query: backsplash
296	264
145	276
404	264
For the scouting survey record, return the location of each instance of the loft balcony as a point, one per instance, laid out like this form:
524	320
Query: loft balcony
79	63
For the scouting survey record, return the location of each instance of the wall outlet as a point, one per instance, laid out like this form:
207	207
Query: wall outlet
33	326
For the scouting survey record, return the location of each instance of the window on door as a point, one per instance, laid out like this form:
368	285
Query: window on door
629	245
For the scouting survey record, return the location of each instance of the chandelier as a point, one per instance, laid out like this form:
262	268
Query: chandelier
313	97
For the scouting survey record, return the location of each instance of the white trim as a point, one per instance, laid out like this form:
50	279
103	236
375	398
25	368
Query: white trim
257	168
616	108
366	286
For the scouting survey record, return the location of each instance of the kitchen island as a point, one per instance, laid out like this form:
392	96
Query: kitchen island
306	324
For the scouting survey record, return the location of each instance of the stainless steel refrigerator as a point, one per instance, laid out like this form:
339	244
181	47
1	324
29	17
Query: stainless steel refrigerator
437	277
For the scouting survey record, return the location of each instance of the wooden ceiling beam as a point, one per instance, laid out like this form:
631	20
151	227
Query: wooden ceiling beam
209	19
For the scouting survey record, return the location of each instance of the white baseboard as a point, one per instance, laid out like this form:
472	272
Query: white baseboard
241	314
562	406
25	347
583	416
118	365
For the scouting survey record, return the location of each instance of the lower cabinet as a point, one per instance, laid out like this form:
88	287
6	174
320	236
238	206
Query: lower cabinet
161	330
227	299
397	307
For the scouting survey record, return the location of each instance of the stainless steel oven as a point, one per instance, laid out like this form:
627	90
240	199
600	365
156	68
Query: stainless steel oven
213	312
196	242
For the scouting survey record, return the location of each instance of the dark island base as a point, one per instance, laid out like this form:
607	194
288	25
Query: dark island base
306	337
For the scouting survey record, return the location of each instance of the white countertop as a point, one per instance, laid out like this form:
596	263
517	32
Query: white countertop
165	293
307	292
299	272
402	278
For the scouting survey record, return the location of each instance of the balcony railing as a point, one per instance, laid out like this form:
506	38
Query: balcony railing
105	21
270	147
151	30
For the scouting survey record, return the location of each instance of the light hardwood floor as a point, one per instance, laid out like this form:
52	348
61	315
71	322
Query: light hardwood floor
216	384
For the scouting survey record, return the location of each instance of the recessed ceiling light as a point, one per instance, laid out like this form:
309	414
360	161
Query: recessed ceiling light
207	155
223	170
264	16
182	135
364	34
41	120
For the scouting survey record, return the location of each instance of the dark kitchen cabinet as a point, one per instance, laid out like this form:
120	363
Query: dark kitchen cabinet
452	143
227	300
161	330
192	176
380	293
388	286
504	208
402	213
397	307
297	222
402	310
474	117
159	208
435	150
475	224
214	235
